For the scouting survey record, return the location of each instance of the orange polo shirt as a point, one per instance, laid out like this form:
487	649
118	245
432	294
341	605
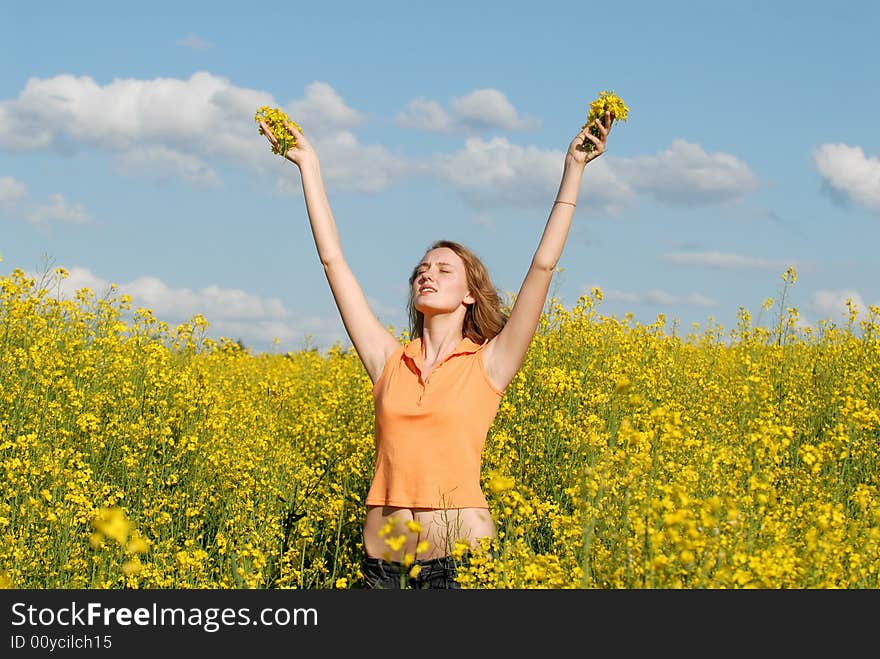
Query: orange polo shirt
430	434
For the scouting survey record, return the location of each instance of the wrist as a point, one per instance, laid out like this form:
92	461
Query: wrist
308	165
573	164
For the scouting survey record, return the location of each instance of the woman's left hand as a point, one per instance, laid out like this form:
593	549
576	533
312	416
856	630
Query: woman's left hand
578	150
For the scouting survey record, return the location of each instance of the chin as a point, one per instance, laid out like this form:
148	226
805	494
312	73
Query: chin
429	309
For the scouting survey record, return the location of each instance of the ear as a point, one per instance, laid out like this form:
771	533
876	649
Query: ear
469	299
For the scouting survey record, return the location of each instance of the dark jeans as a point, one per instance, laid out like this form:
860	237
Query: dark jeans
438	573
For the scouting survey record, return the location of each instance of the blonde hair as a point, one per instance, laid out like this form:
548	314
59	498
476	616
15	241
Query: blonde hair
484	318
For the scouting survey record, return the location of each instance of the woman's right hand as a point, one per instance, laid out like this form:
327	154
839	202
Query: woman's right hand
300	154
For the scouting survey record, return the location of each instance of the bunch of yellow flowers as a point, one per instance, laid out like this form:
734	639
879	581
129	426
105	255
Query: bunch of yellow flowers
608	101
277	120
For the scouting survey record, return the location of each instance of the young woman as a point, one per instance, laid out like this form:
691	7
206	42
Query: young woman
436	396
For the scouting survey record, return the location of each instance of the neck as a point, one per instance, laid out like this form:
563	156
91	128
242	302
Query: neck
440	335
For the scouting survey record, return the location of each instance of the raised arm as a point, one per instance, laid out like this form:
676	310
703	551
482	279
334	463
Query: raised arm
372	342
505	353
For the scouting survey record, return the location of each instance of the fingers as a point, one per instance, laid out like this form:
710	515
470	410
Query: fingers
583	134
265	130
606	127
292	128
599	142
302	141
588	134
580	140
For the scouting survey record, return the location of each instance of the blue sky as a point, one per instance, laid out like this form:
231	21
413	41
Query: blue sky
128	153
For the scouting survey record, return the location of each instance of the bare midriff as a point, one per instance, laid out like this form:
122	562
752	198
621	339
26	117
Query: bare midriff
441	528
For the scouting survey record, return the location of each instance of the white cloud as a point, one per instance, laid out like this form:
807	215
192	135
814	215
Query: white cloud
79	278
685	175
180	125
162	163
425	115
323	110
212	301
68	112
18	132
847	170
231	313
653	297
293	334
725	260
58	209
355	166
478	111
11	191
194	42
485	109
833	302
187	128
498	173
14	198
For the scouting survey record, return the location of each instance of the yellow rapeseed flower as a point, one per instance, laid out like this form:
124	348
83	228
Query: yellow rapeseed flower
460	548
388	527
137	545
396	543
688	483
277	120
112	523
96	540
501	484
607	101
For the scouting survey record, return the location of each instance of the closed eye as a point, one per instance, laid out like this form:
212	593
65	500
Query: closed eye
444	268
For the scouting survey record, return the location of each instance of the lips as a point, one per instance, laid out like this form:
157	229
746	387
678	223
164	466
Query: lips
427	289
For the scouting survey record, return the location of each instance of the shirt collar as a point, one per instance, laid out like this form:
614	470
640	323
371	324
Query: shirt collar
413	349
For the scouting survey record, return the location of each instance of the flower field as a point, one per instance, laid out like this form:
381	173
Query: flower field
138	455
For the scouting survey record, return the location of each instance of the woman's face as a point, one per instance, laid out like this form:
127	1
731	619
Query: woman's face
440	284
